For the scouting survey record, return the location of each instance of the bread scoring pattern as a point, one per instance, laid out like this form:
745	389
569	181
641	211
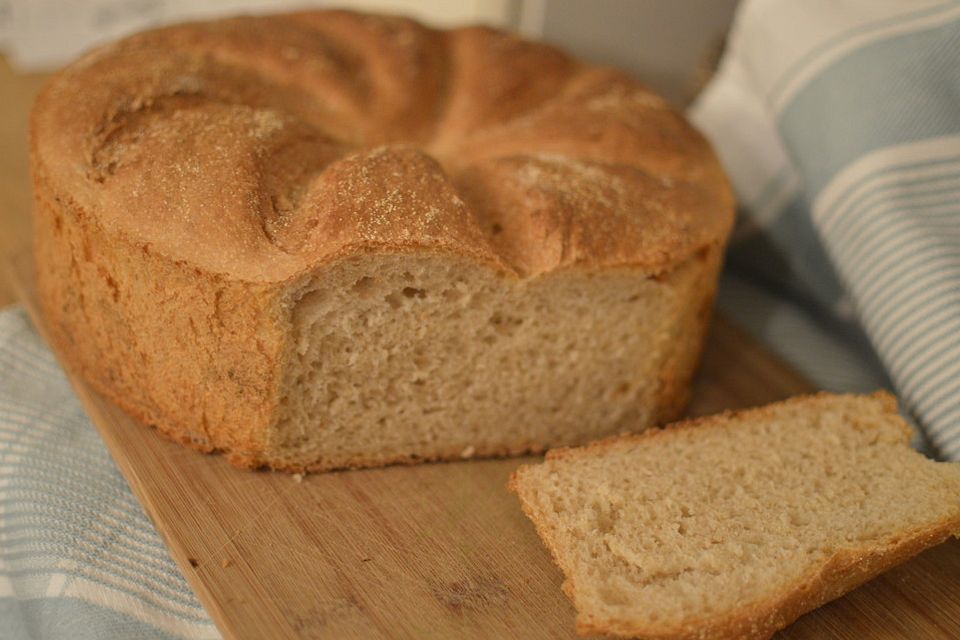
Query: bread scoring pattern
257	148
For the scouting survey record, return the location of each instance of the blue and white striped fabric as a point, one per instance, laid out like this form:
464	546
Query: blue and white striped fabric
78	556
839	122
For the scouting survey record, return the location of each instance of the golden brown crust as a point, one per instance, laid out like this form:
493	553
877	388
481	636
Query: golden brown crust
844	571
722	419
195	356
267	145
187	178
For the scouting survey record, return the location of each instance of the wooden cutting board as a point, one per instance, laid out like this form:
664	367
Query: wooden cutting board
436	550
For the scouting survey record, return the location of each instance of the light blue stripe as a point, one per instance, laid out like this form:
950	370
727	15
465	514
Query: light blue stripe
918	387
74	509
897	348
152	578
54	513
42	428
851	228
132	521
22	364
147	598
907	257
952	443
882	316
944	401
60	412
780	84
124	576
952	450
921	362
945	441
885	94
905	270
77	509
883	282
891	239
897	342
906	209
32	358
944	223
944	408
123	579
875	309
70	512
925	372
899	277
843	203
910	223
51	466
80	452
885	319
950	440
32	538
132	531
922	407
159	603
34	619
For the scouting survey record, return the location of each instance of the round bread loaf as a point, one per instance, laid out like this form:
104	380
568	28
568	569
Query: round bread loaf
327	239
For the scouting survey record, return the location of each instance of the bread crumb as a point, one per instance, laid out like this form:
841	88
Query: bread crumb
298	478
468	452
225	563
649	530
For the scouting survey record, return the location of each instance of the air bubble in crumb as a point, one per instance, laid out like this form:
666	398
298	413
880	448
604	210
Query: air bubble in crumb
298	478
468	452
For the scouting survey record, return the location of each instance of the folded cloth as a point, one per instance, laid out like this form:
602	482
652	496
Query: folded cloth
78	556
839	123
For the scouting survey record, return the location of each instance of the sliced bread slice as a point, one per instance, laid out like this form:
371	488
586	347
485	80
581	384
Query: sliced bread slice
733	526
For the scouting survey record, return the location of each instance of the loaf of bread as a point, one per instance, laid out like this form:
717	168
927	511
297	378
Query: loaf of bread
326	239
733	526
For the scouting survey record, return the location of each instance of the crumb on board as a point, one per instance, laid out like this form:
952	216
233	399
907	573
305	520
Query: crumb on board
225	563
468	452
298	478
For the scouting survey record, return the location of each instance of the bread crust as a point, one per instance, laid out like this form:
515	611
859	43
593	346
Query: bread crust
844	571
187	179
887	400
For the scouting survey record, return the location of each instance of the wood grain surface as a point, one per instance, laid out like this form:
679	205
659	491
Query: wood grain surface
436	550
17	91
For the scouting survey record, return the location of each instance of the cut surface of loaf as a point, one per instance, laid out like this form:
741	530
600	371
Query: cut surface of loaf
329	239
733	526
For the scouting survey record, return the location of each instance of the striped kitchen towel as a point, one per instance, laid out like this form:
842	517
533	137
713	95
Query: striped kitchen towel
78	556
839	123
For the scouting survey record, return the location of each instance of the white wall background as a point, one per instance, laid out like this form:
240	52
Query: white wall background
663	42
